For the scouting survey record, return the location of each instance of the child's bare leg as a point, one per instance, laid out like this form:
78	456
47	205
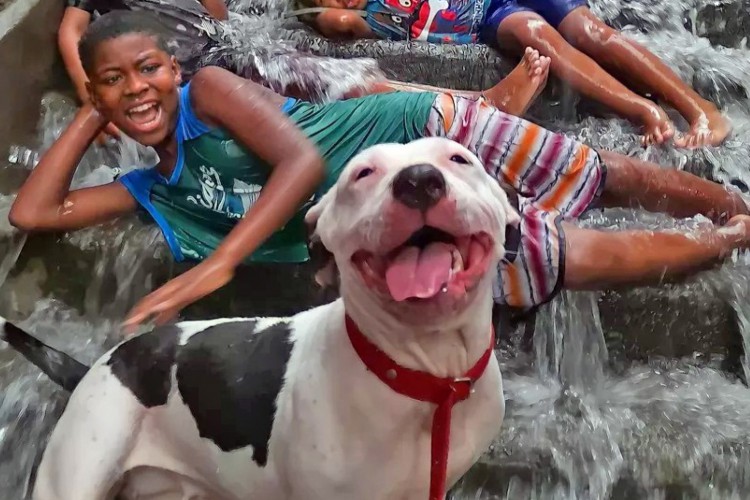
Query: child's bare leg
526	29
632	258
513	95
635	183
634	62
520	88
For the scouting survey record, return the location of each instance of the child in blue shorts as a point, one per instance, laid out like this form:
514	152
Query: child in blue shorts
582	49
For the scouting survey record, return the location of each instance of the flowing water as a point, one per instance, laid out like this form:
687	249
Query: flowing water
582	422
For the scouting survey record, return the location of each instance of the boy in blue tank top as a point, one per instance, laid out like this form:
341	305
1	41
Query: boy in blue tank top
240	164
582	48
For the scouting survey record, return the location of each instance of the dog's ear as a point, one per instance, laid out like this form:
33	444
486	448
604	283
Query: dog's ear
322	259
327	273
313	214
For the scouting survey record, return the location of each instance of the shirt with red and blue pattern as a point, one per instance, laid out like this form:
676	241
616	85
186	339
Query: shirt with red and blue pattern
435	21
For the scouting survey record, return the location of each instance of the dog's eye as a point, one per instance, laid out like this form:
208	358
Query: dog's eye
459	159
363	173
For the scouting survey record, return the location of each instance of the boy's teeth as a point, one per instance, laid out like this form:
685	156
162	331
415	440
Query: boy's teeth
145	113
142	108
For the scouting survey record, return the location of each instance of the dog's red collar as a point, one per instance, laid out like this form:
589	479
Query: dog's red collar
422	386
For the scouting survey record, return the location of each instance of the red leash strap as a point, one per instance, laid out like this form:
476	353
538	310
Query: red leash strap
422	386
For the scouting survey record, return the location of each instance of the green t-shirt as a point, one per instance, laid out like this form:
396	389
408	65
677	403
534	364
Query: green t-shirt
216	180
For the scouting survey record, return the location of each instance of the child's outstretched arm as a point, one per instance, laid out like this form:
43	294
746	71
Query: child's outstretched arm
71	30
247	111
45	202
217	8
74	23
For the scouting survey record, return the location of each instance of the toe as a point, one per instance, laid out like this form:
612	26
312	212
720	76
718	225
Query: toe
668	131
544	63
688	141
656	136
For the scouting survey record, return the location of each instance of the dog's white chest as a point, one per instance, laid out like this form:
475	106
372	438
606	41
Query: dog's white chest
341	433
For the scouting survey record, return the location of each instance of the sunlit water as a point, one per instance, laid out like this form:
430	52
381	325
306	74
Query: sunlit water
582	422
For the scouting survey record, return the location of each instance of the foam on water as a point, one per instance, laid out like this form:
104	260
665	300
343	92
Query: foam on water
261	47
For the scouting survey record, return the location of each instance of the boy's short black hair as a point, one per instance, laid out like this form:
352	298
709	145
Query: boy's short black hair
115	24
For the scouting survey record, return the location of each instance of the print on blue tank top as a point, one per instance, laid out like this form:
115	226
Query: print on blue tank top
436	21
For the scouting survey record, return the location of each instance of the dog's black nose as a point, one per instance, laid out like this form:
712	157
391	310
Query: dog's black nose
419	186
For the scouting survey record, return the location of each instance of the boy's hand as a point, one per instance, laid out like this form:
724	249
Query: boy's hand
165	303
90	113
109	131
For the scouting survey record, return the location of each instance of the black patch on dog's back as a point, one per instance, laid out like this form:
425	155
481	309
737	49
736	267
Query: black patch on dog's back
230	376
144	364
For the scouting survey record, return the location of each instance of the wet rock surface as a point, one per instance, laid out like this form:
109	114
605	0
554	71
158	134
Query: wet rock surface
29	65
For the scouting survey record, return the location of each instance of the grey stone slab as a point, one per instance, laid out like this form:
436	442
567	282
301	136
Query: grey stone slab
29	65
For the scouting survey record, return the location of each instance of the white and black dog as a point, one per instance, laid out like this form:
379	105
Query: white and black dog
390	392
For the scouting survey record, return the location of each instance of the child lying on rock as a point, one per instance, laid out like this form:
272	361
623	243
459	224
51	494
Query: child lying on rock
76	18
582	48
240	164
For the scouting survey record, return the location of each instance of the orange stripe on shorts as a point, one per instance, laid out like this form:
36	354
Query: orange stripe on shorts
512	286
449	110
521	157
567	181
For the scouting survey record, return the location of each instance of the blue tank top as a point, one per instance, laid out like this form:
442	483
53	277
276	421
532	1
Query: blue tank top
216	179
435	21
214	182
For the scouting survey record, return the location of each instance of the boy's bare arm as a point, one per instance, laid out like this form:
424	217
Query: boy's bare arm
251	114
74	23
45	202
217	8
342	24
598	259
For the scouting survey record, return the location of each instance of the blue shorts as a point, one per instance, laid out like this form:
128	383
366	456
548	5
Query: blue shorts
553	11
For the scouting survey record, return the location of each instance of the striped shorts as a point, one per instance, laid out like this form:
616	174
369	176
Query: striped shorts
555	177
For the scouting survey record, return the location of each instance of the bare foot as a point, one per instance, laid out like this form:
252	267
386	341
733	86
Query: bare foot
515	93
658	128
710	129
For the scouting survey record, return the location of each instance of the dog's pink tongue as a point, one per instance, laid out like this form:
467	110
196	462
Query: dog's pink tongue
419	273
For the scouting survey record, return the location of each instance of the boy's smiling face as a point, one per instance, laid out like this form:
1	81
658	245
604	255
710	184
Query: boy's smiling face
135	85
